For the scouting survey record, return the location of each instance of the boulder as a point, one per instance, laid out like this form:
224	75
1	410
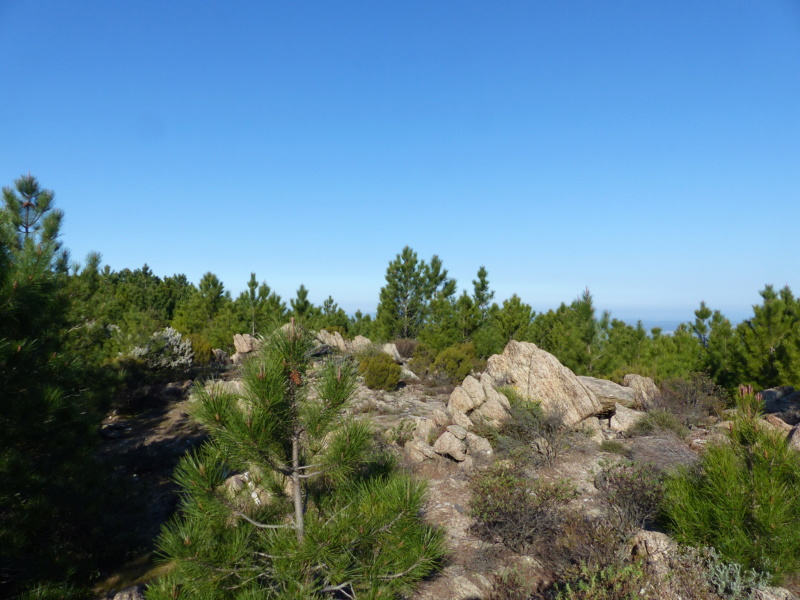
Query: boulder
407	375
460	401
449	445
132	593
418	451
781	399
220	357
459	418
457	431
538	375
478	445
645	389
794	438
425	429
491	412
245	343
625	418
391	350
609	393
360	344
778	423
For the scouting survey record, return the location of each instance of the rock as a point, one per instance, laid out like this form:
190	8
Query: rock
467	465
625	418
459	418
652	545
425	430
538	375
491	412
478	445
245	343
491	393
441	418
407	375
474	390
391	350
360	344
334	340
449	445
778	423
794	438
772	593
461	401
419	451
132	593
781	399
220	357
609	393
457	431
593	429
645	389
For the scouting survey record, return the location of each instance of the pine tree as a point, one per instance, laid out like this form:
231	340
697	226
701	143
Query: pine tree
410	287
319	513
482	295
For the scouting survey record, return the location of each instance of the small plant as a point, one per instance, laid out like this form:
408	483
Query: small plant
166	351
731	580
380	372
422	359
633	493
401	433
516	511
201	348
612	582
510	585
405	347
613	447
530	434
742	498
658	421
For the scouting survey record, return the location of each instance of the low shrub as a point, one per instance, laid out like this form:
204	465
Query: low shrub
518	512
632	492
166	351
405	347
613	447
659	421
422	359
456	362
620	581
201	348
529	434
742	497
380	372
691	400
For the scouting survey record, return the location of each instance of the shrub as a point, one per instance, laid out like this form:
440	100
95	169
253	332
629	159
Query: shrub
166	351
691	400
659	421
633	493
742	498
405	347
201	348
422	359
456	362
529	434
380	372
613	447
516	511
613	582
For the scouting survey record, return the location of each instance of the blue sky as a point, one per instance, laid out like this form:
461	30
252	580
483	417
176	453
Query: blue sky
647	150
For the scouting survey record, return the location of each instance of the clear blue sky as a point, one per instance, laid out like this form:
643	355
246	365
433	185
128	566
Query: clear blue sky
647	149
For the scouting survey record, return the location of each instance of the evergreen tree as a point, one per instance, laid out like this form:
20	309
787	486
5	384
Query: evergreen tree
302	308
259	307
768	353
321	514
482	295
405	300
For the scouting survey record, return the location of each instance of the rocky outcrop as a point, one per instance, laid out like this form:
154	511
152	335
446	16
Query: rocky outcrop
479	402
334	340
645	389
538	375
625	418
245	343
609	393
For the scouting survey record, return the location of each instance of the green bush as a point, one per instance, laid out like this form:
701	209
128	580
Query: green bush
659	421
742	497
201	348
613	582
692	399
529	434
422	359
456	362
380	372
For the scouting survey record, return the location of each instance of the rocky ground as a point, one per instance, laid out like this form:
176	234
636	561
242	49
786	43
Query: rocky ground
431	426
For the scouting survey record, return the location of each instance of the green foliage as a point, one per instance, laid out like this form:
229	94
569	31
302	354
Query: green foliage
529	435
322	512
515	511
422	359
730	580
619	581
456	362
613	447
657	421
380	372
691	399
201	349
741	498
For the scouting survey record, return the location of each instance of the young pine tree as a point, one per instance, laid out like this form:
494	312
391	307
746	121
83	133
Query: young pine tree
321	514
